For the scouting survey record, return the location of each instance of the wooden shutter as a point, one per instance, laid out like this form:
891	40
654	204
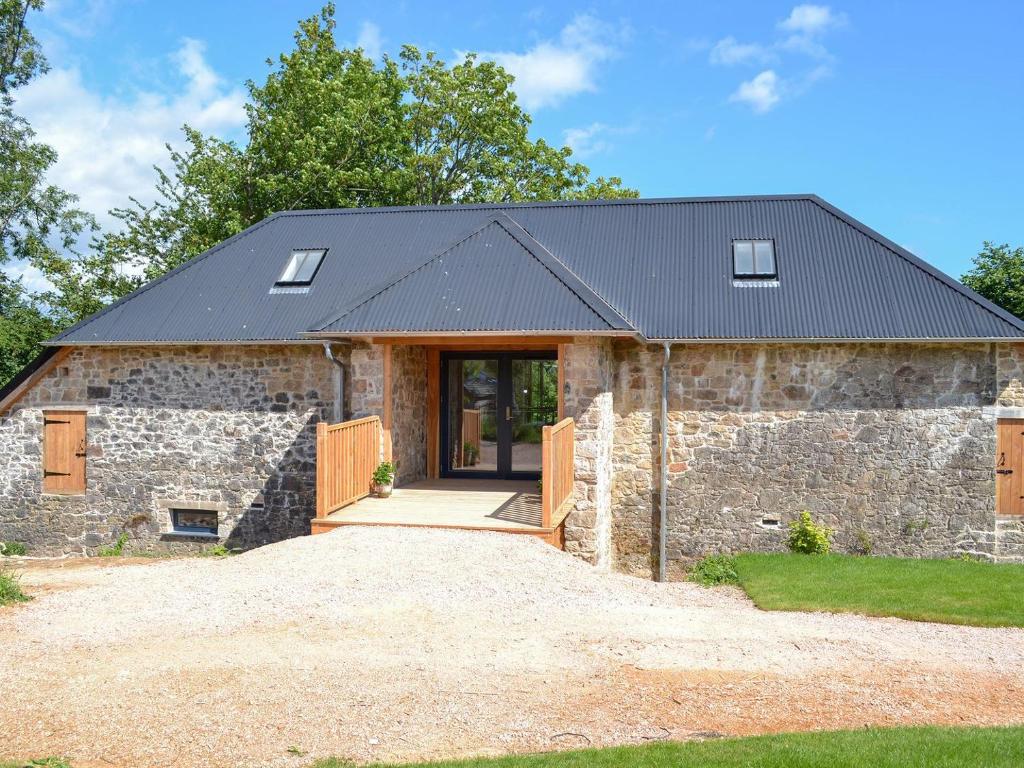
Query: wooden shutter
64	452
1010	467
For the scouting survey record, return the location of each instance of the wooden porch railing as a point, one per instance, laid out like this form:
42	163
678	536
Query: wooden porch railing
557	471
470	433
346	456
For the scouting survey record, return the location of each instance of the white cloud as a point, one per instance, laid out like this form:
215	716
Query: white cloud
811	19
586	142
554	70
79	18
31	277
370	40
729	50
107	145
804	28
596	138
807	23
760	94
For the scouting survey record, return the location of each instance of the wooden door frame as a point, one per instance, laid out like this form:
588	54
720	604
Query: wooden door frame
503	399
558	345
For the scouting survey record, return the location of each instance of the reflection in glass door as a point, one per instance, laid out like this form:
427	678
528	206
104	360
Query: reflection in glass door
472	440
495	407
534	404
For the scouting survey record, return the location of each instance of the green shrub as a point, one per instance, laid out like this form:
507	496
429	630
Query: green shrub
12	548
10	588
712	570
967	557
528	433
115	551
807	537
217	550
862	542
915	526
384	474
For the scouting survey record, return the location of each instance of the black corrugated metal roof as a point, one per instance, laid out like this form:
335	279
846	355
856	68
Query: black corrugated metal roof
453	291
661	267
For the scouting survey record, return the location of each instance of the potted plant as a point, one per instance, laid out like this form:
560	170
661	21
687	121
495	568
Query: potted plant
470	454
384	479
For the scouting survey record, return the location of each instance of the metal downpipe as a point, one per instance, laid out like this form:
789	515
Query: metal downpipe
663	482
339	383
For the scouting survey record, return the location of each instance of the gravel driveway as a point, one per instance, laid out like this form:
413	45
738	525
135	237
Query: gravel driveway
389	643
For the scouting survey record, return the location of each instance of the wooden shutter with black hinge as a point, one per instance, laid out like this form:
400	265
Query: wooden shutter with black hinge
1010	467
64	452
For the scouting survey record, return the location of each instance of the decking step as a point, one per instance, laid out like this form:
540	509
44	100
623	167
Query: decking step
553	536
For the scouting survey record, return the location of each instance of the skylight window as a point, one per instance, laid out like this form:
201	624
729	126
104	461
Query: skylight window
302	267
753	260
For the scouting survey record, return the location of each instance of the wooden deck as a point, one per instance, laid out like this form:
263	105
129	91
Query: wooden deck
508	506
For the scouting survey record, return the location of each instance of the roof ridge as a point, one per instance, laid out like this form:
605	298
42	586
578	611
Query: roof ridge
921	264
621	201
157	281
607	313
390	282
546	257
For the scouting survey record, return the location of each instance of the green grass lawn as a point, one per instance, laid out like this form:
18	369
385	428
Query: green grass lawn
875	747
948	591
878	748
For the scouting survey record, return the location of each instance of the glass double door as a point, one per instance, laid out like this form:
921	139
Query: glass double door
493	408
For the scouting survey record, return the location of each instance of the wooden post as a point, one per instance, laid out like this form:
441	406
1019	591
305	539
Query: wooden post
562	348
321	469
433	413
547	478
386	419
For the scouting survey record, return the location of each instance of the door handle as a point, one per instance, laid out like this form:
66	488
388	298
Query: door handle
1004	471
508	413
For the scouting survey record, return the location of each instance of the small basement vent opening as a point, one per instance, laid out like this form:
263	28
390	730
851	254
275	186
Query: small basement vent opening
194	522
771	521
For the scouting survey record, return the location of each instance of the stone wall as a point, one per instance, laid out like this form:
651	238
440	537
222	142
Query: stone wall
888	444
588	399
409	412
408	401
229	427
365	381
1010	385
636	458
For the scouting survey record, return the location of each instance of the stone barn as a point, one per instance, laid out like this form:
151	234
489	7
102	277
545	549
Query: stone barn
639	382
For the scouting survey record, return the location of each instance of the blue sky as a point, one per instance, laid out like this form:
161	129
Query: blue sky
908	115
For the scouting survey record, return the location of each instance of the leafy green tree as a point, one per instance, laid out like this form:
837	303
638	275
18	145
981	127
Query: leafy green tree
39	222
998	275
468	140
34	216
20	58
329	128
22	328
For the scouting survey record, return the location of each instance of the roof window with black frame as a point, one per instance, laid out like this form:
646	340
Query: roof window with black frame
302	267
754	260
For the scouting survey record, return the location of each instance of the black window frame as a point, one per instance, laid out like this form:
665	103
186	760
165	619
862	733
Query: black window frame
773	275
287	283
194	530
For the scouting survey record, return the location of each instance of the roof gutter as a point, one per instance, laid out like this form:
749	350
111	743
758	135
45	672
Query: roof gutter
845	340
461	334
